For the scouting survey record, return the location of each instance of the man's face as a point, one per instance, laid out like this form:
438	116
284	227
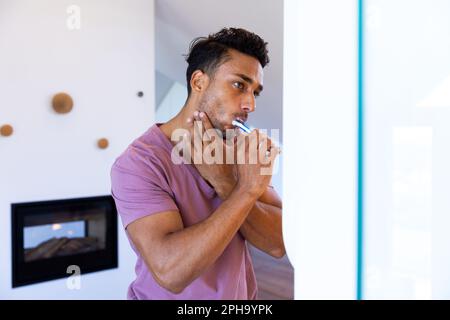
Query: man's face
232	91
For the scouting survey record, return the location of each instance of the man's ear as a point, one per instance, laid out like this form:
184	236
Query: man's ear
199	81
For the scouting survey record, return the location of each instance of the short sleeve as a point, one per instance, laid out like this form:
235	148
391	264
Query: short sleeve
139	191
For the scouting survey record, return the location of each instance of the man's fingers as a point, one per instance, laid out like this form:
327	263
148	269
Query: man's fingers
198	130
205	119
264	142
209	128
202	122
190	123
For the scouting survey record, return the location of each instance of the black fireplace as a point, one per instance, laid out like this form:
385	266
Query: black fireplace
50	236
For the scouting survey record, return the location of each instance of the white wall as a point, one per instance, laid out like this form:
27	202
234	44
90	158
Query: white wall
102	65
162	86
319	118
172	103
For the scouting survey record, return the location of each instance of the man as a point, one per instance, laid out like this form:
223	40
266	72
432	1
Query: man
189	223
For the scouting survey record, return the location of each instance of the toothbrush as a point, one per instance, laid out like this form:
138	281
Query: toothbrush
241	126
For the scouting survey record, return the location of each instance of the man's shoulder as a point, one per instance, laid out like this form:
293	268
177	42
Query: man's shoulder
142	154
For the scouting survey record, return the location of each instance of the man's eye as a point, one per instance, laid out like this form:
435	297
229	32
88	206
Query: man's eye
256	94
238	85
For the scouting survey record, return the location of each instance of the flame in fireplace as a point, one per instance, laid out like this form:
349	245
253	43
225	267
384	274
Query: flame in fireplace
56	226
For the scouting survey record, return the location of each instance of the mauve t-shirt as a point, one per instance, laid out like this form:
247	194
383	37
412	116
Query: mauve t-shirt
145	181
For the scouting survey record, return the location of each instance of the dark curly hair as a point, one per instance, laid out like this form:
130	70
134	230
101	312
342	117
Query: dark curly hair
208	53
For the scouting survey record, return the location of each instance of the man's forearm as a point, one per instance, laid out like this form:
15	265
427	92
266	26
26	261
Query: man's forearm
263	229
263	225
190	251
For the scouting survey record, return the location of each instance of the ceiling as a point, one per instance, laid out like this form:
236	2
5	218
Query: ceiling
178	22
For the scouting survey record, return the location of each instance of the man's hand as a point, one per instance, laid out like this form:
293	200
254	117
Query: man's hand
214	167
222	167
258	154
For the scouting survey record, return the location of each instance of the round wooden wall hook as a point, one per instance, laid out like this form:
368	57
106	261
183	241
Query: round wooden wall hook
103	143
6	130
62	103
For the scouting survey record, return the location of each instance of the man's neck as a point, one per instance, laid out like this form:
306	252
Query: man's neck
178	122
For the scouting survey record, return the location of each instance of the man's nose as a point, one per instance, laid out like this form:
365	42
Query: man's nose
248	105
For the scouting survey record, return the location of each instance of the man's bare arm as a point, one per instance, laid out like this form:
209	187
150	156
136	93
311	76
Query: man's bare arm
263	226
177	255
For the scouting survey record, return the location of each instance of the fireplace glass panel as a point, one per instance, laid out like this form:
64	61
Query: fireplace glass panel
50	236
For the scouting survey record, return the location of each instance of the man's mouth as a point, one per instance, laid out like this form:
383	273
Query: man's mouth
241	119
241	126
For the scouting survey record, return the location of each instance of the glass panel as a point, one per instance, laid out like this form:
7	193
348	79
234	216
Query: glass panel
71	232
407	109
33	236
